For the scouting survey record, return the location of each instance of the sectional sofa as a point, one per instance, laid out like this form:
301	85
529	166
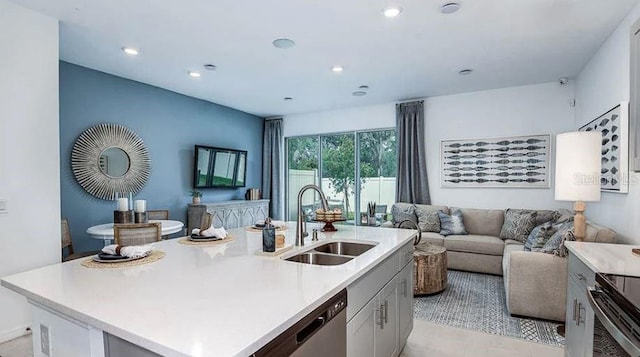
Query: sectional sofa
535	283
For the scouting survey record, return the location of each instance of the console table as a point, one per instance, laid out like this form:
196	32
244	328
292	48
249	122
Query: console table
229	214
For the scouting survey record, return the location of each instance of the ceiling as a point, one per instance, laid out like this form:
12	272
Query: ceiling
417	54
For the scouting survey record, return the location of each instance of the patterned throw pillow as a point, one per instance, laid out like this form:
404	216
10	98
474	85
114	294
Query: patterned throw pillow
539	236
401	211
428	221
451	224
518	225
555	244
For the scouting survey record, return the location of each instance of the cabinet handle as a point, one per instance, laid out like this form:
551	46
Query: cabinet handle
581	277
379	317
386	311
404	287
575	303
580	318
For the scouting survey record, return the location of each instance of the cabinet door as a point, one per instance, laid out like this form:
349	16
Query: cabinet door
579	322
361	330
405	304
634	118
386	337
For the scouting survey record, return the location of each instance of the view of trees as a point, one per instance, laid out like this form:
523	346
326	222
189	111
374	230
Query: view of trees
377	158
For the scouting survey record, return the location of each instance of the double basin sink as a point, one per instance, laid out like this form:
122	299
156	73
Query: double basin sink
332	253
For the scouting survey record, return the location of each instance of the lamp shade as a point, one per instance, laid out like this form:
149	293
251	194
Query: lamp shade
578	166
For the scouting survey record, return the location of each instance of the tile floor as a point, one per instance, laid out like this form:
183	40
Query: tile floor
19	347
427	339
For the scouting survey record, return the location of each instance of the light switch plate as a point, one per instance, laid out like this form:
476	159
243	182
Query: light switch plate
3	206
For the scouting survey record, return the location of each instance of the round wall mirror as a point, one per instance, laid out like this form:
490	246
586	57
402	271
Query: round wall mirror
110	158
114	162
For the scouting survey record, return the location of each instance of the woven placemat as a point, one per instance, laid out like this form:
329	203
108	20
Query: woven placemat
252	229
187	241
153	257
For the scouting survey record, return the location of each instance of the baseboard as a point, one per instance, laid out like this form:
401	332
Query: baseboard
14	333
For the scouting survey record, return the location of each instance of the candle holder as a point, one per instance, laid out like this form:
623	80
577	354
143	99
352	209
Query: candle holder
123	216
141	217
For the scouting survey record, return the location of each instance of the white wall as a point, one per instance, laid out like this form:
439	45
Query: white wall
535	109
29	153
602	84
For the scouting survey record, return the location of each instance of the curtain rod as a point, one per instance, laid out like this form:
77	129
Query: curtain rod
421	101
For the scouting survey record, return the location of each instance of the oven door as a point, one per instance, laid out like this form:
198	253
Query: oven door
615	334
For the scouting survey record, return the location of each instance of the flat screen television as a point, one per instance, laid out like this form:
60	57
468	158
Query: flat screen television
216	167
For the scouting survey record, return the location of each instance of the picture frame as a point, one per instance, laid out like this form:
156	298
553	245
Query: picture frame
514	161
614	126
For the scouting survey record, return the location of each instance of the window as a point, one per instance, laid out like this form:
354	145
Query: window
352	169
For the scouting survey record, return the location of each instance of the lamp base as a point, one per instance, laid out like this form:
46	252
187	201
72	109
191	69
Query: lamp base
579	221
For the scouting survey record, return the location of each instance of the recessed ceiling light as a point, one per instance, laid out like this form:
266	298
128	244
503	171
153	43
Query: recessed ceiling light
283	43
210	67
359	93
194	74
130	51
449	8
465	72
337	68
288	99
392	11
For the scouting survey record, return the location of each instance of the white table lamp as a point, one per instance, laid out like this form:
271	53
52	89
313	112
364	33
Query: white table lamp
578	166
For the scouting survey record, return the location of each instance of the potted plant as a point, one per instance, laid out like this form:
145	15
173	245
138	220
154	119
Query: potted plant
195	197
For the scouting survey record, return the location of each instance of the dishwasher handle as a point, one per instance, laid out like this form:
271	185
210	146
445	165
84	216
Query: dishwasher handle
310	329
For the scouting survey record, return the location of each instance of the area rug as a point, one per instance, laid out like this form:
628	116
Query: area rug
477	302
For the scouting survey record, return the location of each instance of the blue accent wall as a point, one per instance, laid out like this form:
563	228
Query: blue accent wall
170	124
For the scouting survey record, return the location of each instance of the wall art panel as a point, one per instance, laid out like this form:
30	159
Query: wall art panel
520	161
614	126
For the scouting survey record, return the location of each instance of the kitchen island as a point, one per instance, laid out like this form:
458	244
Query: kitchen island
218	300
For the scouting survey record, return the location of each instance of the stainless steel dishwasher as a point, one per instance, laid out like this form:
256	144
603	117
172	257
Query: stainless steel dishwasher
322	333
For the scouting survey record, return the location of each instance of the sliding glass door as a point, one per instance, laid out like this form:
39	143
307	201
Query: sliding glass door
352	169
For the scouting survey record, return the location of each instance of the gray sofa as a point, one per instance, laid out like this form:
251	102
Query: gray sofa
535	283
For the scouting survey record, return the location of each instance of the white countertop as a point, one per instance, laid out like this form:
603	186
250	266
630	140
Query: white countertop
220	300
607	258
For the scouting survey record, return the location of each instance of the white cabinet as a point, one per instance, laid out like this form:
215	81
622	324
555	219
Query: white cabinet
405	303
579	319
373	330
381	303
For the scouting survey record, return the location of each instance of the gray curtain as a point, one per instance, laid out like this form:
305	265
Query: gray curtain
411	183
272	160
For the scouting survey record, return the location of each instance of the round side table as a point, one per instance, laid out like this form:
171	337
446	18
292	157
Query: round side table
429	269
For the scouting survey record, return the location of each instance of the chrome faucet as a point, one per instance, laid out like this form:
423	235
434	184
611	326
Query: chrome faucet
301	226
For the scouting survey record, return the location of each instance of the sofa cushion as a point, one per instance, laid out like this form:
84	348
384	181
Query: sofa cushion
518	225
555	244
433	238
428	219
539	236
483	222
473	243
542	215
451	224
511	241
401	211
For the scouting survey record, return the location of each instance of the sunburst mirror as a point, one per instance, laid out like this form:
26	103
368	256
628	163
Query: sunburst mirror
110	158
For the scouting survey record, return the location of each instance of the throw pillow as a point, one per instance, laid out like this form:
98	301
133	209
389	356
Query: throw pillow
539	236
401	211
428	221
555	244
451	224
518	224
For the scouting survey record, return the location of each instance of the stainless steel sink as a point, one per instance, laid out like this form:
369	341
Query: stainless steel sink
344	248
319	258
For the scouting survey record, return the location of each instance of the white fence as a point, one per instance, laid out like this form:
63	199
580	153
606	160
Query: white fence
381	190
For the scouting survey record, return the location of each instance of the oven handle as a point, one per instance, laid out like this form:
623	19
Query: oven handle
611	327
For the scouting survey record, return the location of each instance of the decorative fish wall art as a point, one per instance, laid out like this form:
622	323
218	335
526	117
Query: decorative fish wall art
521	161
614	126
